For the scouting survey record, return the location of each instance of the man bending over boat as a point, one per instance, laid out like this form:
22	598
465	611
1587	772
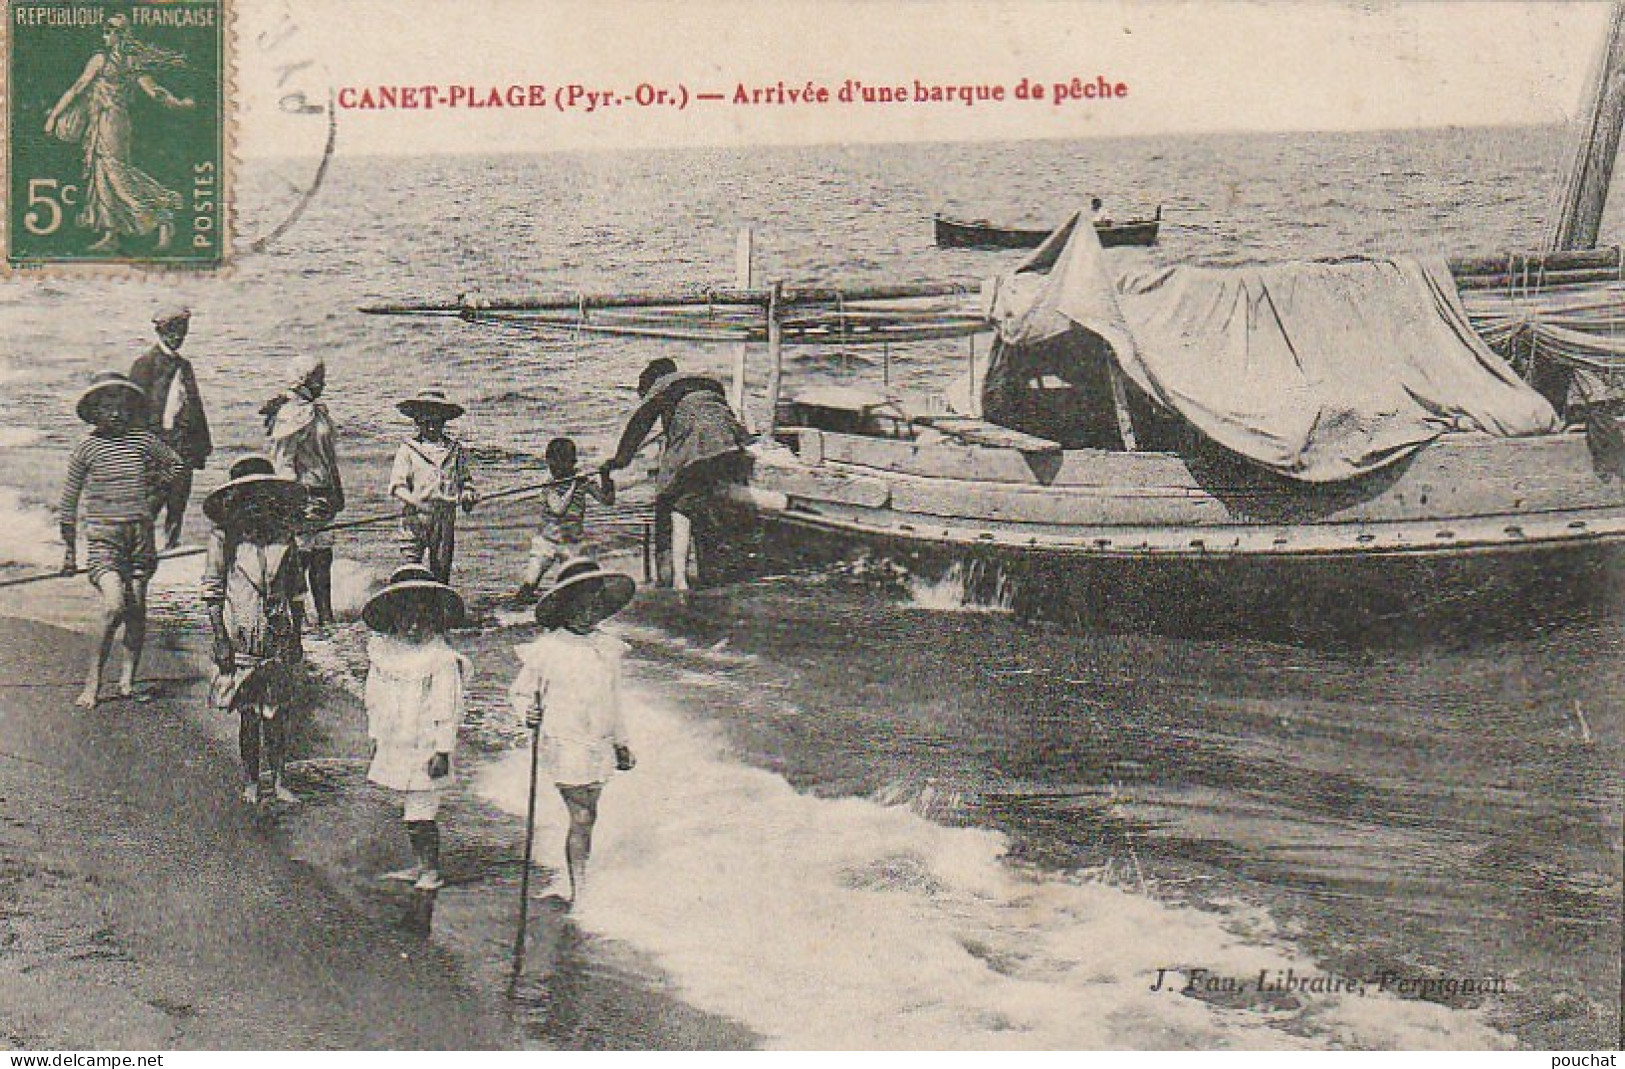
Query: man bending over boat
705	448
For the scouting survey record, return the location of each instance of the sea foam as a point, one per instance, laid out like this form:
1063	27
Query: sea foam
841	923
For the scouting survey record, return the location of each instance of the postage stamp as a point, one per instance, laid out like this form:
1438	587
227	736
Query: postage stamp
117	134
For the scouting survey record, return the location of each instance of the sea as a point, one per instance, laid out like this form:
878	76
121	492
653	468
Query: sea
876	815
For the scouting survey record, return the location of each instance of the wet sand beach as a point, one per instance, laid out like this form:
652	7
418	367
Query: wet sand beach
147	908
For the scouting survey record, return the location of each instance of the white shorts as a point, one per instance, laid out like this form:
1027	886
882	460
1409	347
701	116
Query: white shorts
422	805
546	550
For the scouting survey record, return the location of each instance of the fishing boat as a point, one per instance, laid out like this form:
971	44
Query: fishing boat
960	234
1391	437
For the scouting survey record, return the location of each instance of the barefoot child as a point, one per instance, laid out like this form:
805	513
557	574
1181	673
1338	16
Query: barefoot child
569	689
564	514
430	479
251	581
414	700
118	474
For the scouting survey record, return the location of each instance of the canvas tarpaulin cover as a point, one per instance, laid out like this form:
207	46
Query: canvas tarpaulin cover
1318	371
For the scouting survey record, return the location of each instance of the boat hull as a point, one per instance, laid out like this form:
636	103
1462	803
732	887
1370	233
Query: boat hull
1468	524
955	234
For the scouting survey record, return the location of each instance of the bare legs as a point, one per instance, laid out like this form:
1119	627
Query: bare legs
582	802
111	588
120	604
135	635
424	836
262	733
681	538
319	570
174	507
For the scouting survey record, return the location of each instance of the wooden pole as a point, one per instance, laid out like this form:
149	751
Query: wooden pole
562	302
1579	216
744	262
775	357
524	875
1464	267
1534	278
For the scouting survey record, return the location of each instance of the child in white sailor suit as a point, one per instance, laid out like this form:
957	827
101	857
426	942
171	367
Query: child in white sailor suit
414	699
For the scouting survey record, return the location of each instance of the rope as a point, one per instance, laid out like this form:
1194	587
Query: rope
512	492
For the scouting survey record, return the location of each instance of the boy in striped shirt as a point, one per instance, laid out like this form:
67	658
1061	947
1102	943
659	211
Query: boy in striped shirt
118	475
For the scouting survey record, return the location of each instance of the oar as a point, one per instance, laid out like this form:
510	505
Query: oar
530	838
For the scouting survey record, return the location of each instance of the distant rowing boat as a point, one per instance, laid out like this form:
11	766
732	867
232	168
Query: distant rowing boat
959	234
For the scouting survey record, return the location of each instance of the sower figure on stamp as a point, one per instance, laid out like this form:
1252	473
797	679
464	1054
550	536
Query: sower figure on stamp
120	200
174	410
430	478
303	445
251	582
117	475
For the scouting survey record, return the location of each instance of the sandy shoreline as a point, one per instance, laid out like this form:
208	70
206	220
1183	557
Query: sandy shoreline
146	907
143	906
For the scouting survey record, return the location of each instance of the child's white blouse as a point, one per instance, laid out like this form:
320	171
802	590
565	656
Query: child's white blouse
414	705
576	679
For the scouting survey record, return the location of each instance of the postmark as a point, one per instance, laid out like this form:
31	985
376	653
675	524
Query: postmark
289	126
117	135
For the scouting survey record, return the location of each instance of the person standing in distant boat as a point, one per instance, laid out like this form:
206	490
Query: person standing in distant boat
704	449
120	200
1098	213
303	447
174	410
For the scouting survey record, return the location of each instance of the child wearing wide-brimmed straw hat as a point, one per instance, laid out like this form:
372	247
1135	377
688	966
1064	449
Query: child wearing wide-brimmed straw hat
116	477
431	478
414	699
569	689
251	581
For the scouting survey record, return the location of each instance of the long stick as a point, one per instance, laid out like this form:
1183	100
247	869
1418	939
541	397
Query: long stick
788	295
524	876
382	517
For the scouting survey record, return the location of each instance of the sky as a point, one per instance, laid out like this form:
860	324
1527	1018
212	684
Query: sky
1187	66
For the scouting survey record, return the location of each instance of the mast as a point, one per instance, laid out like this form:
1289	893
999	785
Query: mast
1580	215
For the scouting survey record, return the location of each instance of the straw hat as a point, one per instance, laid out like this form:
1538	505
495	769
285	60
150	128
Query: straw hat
412	573
577	573
106	383
383	611
255	493
300	368
677	384
433	404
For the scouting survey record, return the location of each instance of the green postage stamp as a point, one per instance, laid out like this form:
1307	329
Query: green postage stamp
116	134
